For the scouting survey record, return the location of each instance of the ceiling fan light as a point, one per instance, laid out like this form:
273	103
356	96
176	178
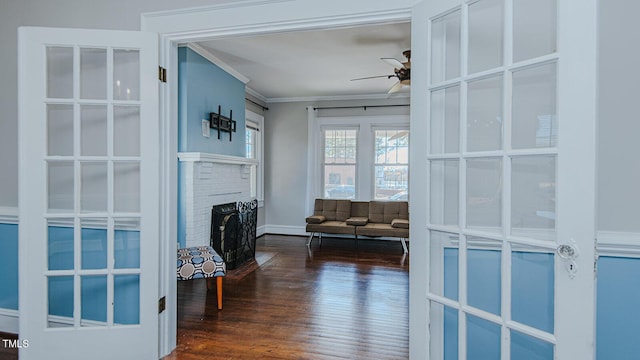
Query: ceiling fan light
395	88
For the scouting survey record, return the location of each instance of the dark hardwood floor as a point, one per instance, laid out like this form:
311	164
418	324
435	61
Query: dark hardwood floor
334	302
6	352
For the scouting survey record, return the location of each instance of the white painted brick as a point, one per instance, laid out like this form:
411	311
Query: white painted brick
208	184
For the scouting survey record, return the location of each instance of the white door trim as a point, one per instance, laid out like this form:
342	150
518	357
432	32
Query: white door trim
238	19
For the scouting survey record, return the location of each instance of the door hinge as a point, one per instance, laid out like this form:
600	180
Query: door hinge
162	304
162	74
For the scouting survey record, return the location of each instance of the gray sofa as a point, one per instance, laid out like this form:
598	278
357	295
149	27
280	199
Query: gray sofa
359	218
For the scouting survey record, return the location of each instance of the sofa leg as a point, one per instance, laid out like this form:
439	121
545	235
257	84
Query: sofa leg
356	235
320	239
404	245
310	239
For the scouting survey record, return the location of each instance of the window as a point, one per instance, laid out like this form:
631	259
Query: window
253	150
391	166
339	165
360	158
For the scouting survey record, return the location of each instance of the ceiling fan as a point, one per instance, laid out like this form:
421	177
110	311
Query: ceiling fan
402	71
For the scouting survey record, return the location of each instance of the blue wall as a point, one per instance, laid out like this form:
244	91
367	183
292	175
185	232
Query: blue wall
202	86
618	318
9	266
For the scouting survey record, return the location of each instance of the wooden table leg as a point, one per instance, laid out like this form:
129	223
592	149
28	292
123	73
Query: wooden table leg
219	291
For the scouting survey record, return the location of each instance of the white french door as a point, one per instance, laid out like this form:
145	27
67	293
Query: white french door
89	180
504	93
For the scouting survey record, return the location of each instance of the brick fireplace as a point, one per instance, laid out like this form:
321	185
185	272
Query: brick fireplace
208	180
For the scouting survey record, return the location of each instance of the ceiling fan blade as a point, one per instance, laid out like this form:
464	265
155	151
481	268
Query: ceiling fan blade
393	62
395	88
373	77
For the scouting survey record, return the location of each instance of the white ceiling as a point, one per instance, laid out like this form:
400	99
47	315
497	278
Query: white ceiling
318	63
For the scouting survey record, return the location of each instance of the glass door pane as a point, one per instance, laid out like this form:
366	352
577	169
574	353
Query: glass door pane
93	175
486	27
534	28
445	47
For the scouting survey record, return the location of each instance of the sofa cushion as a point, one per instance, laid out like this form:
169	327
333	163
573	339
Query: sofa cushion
333	227
338	210
359	209
400	223
357	221
315	219
381	229
385	211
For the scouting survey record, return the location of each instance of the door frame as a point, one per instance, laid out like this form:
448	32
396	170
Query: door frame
246	18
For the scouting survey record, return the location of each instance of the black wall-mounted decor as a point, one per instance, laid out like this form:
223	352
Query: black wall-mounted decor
222	123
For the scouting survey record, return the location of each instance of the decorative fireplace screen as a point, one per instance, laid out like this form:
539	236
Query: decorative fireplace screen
233	231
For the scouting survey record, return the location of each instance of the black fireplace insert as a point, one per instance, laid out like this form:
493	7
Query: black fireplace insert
233	231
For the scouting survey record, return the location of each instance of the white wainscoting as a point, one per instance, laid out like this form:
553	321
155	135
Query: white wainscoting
618	243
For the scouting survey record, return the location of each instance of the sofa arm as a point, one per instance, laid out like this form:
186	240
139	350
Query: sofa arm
315	219
400	223
357	221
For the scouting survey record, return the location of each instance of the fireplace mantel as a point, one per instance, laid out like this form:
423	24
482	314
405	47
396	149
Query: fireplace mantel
215	158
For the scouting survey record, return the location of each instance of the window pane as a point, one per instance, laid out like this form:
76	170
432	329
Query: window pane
533	196
444	340
126	191
93	126
93	300
483	339
391	170
445	47
59	72
484	194
485	35
524	347
250	136
60	186
533	287
340	146
126	243
444	192
60	130
484	114
445	120
534	28
94	243
126	75
392	182
93	73
339	181
94	185
484	274
60	244
126	128
443	255
535	122
60	301
126	299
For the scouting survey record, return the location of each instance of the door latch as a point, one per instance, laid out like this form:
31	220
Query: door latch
568	253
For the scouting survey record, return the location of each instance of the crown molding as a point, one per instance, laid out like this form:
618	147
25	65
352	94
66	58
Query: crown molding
384	96
256	95
216	61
